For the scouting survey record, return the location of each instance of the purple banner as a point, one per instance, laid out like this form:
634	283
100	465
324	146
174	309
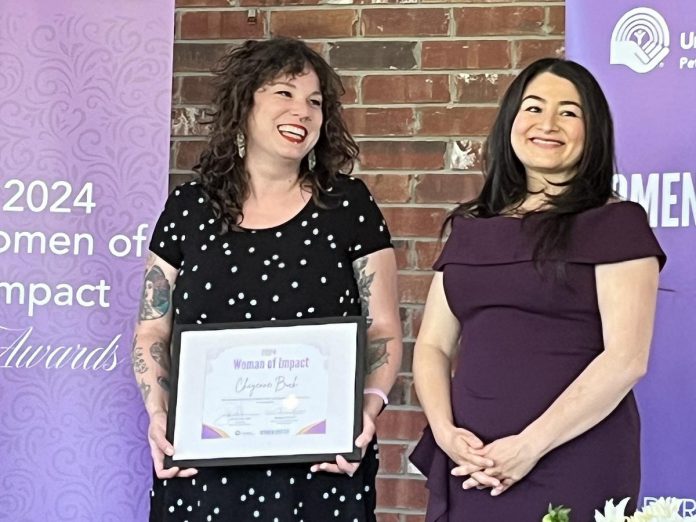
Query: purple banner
85	94
644	56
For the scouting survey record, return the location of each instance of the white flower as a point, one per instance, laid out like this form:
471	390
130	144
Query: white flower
662	510
612	513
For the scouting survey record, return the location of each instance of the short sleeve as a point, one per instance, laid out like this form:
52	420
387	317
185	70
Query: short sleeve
369	232
614	233
169	231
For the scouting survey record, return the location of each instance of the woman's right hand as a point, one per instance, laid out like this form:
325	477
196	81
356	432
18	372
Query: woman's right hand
458	444
160	446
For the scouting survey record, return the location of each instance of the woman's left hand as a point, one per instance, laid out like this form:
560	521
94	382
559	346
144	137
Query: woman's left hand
342	465
514	457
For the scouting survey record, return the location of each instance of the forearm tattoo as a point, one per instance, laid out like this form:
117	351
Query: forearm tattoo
160	354
139	364
144	389
156	296
163	382
376	354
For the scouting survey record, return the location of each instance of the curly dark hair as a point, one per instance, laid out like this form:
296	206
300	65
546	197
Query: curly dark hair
505	187
240	73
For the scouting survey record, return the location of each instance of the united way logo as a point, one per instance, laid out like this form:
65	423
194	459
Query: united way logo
640	40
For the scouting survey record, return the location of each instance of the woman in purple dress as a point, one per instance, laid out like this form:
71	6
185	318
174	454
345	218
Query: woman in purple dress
543	305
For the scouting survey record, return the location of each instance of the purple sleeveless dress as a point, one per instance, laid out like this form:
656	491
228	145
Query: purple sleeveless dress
526	334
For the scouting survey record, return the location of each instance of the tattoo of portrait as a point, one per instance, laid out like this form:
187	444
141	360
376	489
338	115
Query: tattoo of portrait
364	281
144	389
377	354
139	365
160	354
156	297
163	382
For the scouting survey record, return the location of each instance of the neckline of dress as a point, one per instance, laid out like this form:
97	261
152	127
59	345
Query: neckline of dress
286	223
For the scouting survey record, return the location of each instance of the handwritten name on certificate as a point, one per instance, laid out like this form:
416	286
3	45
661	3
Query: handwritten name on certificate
263	391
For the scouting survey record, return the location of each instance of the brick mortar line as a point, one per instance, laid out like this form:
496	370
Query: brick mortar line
361	7
401	38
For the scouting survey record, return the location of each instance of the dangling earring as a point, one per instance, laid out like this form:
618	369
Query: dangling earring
311	159
241	144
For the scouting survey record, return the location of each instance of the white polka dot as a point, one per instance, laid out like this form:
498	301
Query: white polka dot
204	247
303	262
179	502
275	257
340	265
345	203
228	252
367	488
185	295
256	514
333	245
205	488
252	302
292	480
231	301
333	490
216	510
358	247
174	237
266	262
166	229
277	494
323	279
315	215
307	241
262	498
325	495
340	299
204	316
243	498
233	269
184	213
315	231
264	277
304	223
177	311
201	200
336	512
189	508
171	509
209	518
198	321
208	286
240	295
177	192
278	234
281	265
201	226
299	314
172	225
211	237
183	237
275	298
381	228
225	245
247	315
161	244
361	218
195	267
223	480
310	309
329	237
342	498
309	477
294	284
358	496
251	250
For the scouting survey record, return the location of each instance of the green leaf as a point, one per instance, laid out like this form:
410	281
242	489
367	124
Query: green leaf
557	514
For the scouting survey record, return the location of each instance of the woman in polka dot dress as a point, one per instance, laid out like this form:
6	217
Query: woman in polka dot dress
271	230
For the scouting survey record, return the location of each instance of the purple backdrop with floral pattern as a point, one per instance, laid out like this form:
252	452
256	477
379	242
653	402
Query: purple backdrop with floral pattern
85	94
644	56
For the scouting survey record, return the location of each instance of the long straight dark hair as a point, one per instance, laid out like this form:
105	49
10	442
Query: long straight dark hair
505	186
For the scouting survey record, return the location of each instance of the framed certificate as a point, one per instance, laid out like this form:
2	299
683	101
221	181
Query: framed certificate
266	392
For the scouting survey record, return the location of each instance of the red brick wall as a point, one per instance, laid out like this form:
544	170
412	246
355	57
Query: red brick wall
423	80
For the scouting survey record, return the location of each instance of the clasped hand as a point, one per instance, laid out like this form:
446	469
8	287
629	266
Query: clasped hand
497	465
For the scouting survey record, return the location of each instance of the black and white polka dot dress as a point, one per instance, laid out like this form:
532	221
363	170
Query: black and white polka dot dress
300	269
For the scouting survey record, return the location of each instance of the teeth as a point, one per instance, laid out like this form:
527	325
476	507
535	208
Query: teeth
540	140
291	129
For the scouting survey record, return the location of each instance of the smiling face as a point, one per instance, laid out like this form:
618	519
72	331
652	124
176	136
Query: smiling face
285	120
548	133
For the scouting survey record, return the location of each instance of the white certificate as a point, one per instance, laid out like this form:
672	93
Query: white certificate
266	392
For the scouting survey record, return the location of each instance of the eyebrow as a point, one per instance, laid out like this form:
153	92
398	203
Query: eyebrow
293	86
562	102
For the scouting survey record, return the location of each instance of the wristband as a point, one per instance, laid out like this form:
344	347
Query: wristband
378	392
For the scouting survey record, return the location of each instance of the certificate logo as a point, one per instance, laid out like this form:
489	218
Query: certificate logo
640	40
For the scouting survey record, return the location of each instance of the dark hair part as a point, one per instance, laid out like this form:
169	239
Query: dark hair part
240	73
505	187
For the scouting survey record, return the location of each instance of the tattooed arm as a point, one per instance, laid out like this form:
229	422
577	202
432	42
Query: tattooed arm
151	359
375	275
